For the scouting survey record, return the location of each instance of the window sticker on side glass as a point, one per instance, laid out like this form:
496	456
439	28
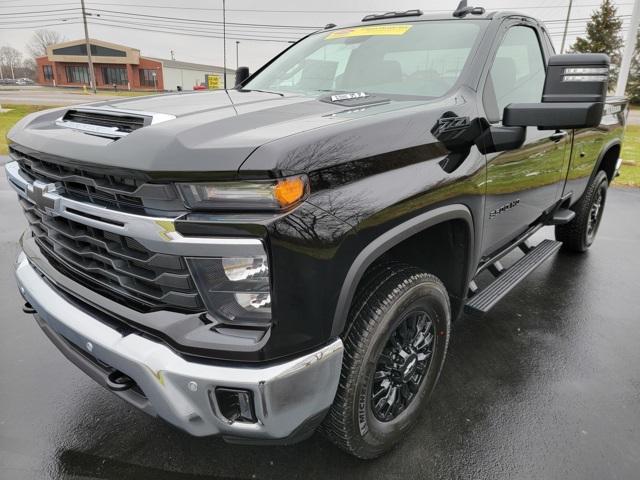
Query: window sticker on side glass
374	30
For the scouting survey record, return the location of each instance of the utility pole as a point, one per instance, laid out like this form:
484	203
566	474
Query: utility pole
224	42
629	48
237	61
566	27
92	74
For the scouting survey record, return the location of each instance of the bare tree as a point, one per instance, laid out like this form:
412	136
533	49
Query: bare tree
41	39
10	57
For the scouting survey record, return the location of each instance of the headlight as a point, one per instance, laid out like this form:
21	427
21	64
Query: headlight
277	194
234	290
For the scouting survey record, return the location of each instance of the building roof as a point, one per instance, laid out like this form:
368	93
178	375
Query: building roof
103	52
130	55
189	66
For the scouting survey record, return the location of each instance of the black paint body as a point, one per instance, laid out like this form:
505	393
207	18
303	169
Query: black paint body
381	184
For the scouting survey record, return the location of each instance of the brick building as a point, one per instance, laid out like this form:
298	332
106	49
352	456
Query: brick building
66	65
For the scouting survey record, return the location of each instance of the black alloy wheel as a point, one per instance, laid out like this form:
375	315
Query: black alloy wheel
580	233
402	365
395	344
595	214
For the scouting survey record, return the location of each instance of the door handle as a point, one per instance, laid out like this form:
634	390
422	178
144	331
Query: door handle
559	135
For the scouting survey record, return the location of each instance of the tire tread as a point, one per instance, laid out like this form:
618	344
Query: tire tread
383	285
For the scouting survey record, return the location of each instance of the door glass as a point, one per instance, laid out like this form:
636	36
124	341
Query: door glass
518	71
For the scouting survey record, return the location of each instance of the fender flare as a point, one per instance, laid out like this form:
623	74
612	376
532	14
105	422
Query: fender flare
603	152
388	240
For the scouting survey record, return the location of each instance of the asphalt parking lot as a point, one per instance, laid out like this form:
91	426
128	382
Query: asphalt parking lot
45	96
545	386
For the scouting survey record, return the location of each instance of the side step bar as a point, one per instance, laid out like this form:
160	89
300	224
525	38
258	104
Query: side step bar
508	279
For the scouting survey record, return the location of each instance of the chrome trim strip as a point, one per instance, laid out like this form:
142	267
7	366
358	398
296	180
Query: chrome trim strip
115	111
157	234
286	394
88	128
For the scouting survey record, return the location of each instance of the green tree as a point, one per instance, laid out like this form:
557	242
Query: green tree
633	84
603	36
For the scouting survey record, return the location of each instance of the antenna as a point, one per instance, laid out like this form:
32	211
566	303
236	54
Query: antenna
463	10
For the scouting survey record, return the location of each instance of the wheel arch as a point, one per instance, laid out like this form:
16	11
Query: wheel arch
608	159
397	236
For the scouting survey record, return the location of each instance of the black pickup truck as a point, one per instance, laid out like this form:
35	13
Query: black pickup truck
290	254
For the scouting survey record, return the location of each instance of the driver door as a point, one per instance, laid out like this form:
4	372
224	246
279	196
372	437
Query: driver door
523	183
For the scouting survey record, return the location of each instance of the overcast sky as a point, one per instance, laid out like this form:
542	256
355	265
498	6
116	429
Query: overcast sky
273	12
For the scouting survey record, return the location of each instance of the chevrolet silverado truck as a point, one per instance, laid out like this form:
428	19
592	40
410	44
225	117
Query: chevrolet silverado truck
289	254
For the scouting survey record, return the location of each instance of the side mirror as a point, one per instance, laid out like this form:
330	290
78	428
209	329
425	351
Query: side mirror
242	73
459	134
498	139
574	95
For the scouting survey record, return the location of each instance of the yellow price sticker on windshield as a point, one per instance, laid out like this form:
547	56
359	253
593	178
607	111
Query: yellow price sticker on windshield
374	30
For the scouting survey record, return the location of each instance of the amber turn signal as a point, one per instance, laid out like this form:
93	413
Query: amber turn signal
289	190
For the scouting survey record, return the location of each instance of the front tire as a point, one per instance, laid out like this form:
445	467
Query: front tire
580	233
394	352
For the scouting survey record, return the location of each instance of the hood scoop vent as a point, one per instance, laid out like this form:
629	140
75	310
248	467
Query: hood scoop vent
110	123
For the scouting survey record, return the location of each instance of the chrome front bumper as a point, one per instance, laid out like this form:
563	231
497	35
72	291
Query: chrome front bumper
286	395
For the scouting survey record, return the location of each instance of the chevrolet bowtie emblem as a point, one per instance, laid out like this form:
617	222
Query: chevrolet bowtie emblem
44	195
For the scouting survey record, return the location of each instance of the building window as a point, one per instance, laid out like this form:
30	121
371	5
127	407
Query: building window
48	72
77	73
117	75
147	78
97	50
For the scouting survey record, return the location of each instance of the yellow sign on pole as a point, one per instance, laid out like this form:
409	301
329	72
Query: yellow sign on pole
213	82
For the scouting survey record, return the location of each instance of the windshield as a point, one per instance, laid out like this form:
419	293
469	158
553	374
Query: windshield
419	59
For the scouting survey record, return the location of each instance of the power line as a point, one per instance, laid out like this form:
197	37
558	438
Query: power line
41	26
183	7
324	11
99	21
38	21
43	16
184	24
206	21
13	14
190	34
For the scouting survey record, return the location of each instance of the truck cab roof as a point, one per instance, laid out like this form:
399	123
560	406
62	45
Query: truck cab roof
410	16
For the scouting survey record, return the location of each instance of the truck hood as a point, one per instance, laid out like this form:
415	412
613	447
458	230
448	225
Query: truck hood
212	132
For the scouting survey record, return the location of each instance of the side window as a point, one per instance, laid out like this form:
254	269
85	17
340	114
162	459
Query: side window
517	74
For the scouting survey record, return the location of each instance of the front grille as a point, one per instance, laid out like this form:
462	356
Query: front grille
114	265
119	192
123	123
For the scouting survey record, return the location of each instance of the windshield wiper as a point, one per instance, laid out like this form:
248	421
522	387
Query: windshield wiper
263	91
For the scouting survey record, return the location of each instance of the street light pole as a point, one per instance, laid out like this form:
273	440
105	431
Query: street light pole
92	74
566	27
237	62
629	47
224	41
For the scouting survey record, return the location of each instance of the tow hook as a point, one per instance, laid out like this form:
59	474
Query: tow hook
27	308
118	381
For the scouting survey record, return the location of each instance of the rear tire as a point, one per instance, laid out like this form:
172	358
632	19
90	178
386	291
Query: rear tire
580	233
394	352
